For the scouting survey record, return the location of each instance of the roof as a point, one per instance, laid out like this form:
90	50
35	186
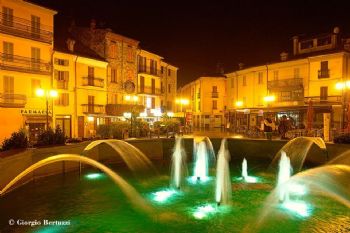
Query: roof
60	44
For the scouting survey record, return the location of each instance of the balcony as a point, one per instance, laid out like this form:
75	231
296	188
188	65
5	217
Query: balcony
324	99
149	91
119	109
285	84
62	84
23	28
323	73
24	64
215	95
93	108
12	100
92	81
148	70
198	95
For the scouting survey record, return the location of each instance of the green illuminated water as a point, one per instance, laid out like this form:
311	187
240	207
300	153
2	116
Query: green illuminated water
95	204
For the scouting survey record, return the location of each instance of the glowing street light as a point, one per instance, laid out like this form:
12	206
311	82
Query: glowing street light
182	102
239	103
47	94
270	98
343	86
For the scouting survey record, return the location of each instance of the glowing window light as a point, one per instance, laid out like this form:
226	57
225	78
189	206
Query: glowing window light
127	97
270	98
90	118
239	103
170	114
53	93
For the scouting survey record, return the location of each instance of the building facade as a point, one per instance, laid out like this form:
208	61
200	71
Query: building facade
312	73
207	102
26	47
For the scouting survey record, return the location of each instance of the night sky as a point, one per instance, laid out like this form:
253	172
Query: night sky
196	36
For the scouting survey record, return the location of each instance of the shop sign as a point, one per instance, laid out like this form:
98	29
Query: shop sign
38	112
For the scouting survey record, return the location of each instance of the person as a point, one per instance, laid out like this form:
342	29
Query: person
283	127
268	128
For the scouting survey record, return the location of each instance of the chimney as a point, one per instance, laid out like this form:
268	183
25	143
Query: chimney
70	44
92	24
284	56
240	66
295	45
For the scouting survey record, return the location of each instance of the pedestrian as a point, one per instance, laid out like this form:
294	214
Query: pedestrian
283	127
268	128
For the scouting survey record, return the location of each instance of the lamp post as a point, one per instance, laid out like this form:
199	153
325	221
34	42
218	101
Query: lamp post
48	94
343	86
238	105
183	102
133	99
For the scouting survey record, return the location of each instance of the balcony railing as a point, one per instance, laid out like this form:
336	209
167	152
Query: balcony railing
12	100
323	99
93	108
149	91
92	81
215	95
62	84
24	28
285	83
323	73
24	64
119	109
148	70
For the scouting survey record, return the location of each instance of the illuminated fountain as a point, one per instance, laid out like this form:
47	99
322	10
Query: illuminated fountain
134	158
284	174
178	165
223	179
297	150
133	196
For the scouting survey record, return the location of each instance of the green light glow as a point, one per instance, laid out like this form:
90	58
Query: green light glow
205	211
163	195
94	176
297	189
298	207
248	179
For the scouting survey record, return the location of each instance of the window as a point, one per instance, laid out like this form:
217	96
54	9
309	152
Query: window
8	51
9	86
324	72
153	66
61	75
275	75
306	44
215	104
153	86
7	16
286	96
91	71
113	75
35	58
63	99
199	105
169	88
91	103
169	105
169	72
323	93
35	26
61	62
215	89
130	54
162	69
113	49
148	102
260	77
244	81
142	64
114	98
296	72
153	103
232	83
142	84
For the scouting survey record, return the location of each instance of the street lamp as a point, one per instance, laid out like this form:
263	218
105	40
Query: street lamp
133	99
341	86
183	102
238	104
47	94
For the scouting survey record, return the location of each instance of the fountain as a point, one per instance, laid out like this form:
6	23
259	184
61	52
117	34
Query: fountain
244	169
127	189
343	158
284	174
297	150
223	178
132	156
200	171
178	164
